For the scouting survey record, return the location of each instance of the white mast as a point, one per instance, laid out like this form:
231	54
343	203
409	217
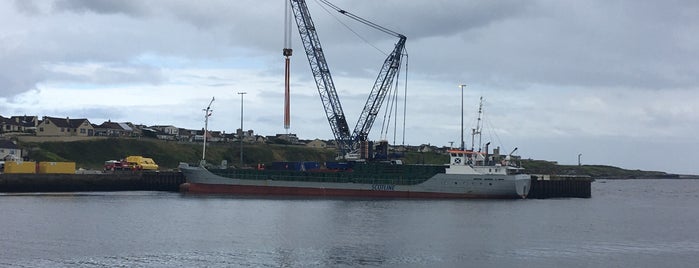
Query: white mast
207	113
477	130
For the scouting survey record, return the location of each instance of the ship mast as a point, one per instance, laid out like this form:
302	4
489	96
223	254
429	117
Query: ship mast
477	130
207	113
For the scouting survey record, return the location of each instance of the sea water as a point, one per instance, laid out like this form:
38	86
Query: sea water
626	223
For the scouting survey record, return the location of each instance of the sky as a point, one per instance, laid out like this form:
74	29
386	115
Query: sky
607	82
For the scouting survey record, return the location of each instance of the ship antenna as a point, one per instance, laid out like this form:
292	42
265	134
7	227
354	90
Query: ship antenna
207	113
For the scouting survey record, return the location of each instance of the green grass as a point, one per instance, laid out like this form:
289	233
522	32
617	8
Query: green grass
92	154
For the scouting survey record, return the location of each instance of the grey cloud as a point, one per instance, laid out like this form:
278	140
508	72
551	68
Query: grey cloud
15	79
503	43
573	44
110	75
96	115
27	6
127	7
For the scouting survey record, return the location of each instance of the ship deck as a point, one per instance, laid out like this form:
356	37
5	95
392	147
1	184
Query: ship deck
362	173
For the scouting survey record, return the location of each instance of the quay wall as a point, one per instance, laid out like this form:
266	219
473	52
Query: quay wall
542	187
126	181
551	186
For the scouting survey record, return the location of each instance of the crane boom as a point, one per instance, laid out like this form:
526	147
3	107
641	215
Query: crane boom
381	87
383	82
347	143
321	74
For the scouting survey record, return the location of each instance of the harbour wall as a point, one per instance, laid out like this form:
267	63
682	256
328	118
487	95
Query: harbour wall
118	181
553	186
542	186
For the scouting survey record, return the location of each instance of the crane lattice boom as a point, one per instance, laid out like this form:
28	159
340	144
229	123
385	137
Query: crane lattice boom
347	143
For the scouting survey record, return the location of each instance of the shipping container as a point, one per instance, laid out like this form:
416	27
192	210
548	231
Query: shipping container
338	165
296	166
311	166
24	167
57	167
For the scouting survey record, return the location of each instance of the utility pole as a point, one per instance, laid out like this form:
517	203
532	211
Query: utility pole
242	132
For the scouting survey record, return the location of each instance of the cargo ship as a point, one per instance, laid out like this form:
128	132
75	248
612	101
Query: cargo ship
468	175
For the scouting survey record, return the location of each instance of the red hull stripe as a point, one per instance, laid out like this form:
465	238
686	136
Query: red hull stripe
224	189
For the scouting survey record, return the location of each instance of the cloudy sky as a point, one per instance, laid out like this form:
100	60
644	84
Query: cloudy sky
616	81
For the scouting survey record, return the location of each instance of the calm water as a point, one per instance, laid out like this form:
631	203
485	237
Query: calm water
646	223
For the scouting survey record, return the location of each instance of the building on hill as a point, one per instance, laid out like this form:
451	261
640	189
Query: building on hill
114	129
7	125
164	132
289	137
317	143
53	126
18	124
246	136
260	139
186	134
216	136
9	151
167	129
135	130
27	123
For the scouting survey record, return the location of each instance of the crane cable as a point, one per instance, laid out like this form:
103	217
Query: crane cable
357	18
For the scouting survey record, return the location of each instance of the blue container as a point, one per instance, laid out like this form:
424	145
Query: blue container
338	165
311	165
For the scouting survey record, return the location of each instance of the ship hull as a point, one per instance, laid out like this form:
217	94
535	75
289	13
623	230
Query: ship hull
440	186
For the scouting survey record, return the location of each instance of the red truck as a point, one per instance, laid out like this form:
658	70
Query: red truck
112	165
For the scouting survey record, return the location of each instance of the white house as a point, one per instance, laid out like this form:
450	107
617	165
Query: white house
9	150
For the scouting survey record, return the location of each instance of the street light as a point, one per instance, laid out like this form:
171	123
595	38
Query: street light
579	155
241	127
462	115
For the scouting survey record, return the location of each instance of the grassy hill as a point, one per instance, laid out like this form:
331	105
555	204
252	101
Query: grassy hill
91	154
595	171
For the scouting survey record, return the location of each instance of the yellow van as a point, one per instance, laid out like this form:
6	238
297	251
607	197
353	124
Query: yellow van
138	162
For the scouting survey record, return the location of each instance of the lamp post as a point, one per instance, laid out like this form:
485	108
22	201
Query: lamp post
462	115
579	155
242	133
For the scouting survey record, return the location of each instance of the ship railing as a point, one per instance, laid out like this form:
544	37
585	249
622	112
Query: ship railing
325	177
